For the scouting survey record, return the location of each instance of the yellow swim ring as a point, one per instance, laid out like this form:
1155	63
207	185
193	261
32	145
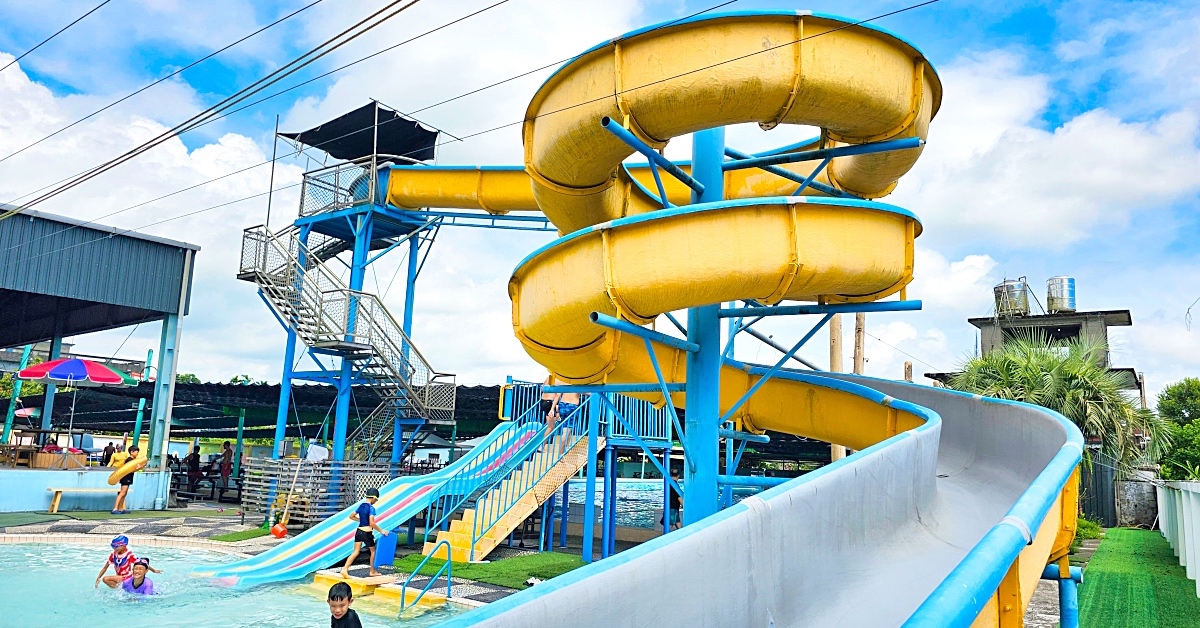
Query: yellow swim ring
136	464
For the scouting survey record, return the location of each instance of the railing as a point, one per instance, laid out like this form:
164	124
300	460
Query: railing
501	457
517	397
649	422
445	567
325	313
321	489
338	186
1179	522
498	498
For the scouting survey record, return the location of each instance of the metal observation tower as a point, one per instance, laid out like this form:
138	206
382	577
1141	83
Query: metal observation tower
345	224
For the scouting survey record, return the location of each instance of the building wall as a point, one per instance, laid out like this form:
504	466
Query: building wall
25	490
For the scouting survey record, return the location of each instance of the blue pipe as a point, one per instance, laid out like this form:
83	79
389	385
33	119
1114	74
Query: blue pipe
617	324
750	480
651	154
792	176
1068	594
754	438
830	308
822	153
612	388
774	369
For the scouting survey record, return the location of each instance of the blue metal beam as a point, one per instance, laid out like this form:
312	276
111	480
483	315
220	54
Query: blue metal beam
822	153
774	369
640	443
750	480
744	436
610	322
792	176
676	323
664	387
649	153
832	308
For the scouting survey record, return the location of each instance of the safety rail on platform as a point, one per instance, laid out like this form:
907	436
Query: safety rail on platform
339	186
648	422
428	585
546	451
1179	522
317	490
517	397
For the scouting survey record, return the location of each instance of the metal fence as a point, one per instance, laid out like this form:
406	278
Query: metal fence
1179	521
316	490
1097	488
338	186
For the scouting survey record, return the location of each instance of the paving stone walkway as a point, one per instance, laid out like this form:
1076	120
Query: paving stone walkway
462	589
187	527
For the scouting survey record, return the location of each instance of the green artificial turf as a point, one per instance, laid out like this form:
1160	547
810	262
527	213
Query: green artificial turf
87	515
233	537
1134	581
509	572
26	518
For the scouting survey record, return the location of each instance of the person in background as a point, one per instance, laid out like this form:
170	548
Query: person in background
108	453
193	469
226	463
126	480
139	584
363	536
557	405
675	503
341	615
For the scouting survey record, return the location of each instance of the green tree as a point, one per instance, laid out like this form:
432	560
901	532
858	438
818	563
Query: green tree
1183	462
1180	402
245	380
1070	378
186	378
28	389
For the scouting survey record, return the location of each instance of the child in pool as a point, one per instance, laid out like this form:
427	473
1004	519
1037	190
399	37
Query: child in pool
139	584
341	615
121	559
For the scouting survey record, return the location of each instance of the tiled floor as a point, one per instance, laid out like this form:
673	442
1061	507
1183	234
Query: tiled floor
461	589
190	527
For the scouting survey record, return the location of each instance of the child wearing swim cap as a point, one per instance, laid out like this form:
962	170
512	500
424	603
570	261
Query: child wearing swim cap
121	559
139	584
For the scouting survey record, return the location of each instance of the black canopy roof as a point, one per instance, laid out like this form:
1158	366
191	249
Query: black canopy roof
354	135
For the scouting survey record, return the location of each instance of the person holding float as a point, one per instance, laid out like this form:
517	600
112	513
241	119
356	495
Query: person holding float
124	476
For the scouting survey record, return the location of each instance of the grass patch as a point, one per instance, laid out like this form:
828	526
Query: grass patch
1135	580
234	537
1087	529
26	518
509	572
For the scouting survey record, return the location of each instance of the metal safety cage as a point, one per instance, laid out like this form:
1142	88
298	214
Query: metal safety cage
339	186
310	491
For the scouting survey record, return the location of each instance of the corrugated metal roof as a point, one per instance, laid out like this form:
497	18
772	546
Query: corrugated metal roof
59	256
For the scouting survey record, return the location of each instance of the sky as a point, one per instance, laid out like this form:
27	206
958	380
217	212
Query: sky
1066	144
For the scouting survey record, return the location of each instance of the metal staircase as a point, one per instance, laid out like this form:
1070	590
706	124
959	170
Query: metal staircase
330	317
504	503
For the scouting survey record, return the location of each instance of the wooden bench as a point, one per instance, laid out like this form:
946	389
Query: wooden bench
58	493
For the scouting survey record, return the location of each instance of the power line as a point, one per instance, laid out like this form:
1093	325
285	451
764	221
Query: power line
560	110
165	78
328	46
903	351
56	34
301	150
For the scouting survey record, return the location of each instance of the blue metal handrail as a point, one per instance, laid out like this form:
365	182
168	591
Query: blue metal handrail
445	567
540	461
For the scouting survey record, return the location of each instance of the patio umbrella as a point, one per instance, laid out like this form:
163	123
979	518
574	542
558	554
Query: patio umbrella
76	372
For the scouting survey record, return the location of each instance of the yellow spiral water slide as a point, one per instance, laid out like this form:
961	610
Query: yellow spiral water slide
625	256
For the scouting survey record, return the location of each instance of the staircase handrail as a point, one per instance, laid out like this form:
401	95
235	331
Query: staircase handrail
445	567
488	511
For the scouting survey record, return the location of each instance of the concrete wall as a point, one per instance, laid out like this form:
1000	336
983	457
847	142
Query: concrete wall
23	490
1137	504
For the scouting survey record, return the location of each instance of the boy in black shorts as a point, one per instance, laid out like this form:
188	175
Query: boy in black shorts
366	522
341	615
126	482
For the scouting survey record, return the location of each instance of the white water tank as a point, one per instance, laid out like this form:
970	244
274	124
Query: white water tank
1012	297
1060	294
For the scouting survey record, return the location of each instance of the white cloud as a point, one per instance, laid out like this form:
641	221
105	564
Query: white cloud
990	174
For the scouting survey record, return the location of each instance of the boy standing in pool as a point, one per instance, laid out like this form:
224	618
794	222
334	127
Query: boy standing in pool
342	616
363	536
121	559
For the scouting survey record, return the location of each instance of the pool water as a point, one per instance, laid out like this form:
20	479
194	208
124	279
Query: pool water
52	585
639	502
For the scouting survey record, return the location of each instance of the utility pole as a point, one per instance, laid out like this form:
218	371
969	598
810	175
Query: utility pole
908	371
860	336
836	452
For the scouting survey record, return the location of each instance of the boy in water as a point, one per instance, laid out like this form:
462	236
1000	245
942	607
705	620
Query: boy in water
366	522
340	598
121	559
139	584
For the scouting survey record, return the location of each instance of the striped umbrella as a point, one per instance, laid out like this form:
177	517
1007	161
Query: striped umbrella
76	372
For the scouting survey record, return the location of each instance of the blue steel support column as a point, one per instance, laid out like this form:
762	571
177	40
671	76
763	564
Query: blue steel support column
607	513
562	515
285	394
704	366
414	249
164	386
610	507
358	269
16	394
727	490
666	520
589	491
137	422
397	445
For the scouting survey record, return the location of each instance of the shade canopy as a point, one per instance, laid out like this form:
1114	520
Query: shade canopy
76	372
370	129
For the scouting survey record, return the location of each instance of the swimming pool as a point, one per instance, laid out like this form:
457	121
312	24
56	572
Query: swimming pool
639	502
51	585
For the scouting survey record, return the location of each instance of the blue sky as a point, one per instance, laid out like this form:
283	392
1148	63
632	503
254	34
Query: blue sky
1067	144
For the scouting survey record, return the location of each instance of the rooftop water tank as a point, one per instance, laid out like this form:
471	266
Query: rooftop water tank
1060	294
1012	297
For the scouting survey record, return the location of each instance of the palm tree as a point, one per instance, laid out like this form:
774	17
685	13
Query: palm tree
1070	378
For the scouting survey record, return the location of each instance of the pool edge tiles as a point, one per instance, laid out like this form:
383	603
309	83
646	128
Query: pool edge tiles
147	541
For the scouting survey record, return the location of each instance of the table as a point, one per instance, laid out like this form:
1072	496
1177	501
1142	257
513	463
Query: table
14	454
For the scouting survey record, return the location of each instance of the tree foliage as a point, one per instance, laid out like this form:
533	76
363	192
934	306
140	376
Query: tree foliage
1070	378
245	380
1180	402
186	378
1183	462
